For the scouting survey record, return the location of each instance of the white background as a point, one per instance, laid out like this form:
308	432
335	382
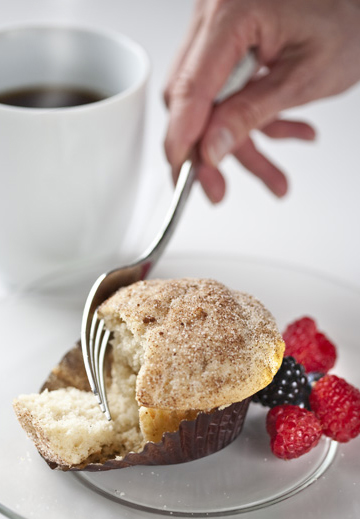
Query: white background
316	226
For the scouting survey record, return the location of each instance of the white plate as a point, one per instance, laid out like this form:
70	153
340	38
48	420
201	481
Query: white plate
245	478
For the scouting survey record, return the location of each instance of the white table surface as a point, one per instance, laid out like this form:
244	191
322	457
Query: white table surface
315	227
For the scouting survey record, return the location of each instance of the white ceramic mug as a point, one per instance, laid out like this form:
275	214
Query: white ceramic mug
68	176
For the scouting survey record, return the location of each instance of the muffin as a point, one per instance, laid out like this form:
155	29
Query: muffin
186	357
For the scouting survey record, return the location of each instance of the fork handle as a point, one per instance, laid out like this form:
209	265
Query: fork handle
180	196
241	74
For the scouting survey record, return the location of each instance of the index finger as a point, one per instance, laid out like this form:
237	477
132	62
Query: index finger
219	45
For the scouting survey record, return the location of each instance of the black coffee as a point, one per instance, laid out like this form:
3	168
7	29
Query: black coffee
49	97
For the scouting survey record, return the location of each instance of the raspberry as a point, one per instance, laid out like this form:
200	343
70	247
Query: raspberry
293	431
337	405
308	346
289	386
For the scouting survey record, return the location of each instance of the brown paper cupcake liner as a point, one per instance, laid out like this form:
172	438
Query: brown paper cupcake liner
195	439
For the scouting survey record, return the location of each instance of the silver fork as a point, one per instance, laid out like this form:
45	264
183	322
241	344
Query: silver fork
94	336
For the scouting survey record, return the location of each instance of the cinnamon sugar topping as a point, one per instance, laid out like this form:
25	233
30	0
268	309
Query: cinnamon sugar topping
203	345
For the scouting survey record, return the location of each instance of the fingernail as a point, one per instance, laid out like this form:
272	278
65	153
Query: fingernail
310	134
214	194
281	189
221	143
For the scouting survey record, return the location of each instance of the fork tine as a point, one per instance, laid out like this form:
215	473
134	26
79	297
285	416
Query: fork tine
95	351
93	363
94	346
87	349
102	388
88	324
98	357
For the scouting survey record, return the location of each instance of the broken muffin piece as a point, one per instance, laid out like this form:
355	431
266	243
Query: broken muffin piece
184	352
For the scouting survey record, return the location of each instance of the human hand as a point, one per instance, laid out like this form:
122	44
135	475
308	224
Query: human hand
308	50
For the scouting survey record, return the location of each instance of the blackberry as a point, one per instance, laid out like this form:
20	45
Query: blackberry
289	386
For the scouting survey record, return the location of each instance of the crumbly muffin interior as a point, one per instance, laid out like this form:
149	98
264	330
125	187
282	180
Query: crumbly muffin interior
67	425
